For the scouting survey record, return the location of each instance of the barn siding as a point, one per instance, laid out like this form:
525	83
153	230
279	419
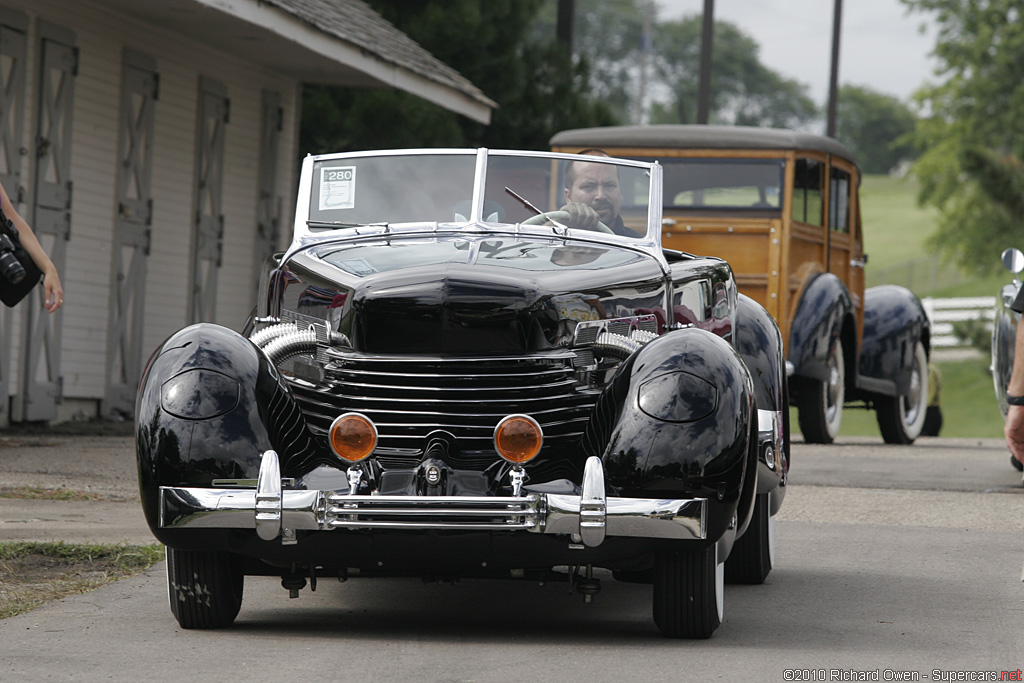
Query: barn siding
101	37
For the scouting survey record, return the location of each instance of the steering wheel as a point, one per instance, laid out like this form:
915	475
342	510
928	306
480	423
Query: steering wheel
561	217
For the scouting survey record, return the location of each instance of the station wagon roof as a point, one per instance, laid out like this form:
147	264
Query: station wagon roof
684	136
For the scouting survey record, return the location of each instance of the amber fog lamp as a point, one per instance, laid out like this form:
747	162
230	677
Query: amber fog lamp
353	436
518	438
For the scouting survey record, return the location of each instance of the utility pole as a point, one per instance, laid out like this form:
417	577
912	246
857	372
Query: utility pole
566	24
645	52
833	87
704	87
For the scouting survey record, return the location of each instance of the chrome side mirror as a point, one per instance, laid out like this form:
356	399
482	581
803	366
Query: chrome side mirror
1013	260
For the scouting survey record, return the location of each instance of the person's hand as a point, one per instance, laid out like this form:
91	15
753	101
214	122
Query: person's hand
54	293
581	216
1014	431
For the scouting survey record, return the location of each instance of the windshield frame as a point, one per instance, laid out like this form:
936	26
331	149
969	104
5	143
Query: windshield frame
306	234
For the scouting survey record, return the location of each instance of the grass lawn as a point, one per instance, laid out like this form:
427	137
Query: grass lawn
896	229
33	573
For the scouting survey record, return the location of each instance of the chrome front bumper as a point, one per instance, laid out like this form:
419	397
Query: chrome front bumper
585	519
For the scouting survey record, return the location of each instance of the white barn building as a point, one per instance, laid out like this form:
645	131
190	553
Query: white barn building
151	144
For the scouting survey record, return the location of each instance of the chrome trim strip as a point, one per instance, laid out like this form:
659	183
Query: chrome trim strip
268	497
562	382
590	516
410	396
540	358
593	504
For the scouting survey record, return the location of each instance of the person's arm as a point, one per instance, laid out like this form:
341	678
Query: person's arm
1014	427
54	293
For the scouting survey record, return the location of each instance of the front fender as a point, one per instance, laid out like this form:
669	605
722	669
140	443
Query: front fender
209	404
759	343
676	421
894	322
817	324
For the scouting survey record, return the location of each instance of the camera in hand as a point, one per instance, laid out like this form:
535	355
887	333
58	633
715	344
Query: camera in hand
9	264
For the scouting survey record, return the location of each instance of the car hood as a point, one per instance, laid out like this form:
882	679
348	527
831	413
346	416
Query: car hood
480	294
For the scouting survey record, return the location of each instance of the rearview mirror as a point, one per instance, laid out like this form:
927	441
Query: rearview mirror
1013	260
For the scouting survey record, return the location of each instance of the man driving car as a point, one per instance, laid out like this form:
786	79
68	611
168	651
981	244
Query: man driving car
593	195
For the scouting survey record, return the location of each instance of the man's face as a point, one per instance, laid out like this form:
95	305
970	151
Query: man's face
597	186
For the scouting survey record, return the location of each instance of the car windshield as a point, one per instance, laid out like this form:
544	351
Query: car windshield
714	184
440	186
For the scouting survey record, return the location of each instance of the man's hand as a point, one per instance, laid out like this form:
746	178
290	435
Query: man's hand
581	216
1014	431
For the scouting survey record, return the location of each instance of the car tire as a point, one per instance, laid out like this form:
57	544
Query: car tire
753	553
932	421
820	402
901	418
204	587
688	592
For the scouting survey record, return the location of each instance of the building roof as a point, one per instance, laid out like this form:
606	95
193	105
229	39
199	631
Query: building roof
355	22
335	42
689	136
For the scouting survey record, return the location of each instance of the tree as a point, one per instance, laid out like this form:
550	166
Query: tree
976	113
875	126
538	88
610	39
743	90
627	45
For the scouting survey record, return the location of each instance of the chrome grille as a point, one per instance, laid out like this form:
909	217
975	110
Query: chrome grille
408	397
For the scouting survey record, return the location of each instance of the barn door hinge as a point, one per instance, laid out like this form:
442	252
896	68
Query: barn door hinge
220	240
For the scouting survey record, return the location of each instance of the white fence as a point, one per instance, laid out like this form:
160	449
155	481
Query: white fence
944	312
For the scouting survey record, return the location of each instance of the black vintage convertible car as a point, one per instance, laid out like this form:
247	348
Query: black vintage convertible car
447	376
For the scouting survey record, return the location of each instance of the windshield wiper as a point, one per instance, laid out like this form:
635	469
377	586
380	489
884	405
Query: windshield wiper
525	202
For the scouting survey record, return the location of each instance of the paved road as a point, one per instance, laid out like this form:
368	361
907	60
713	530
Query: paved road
890	558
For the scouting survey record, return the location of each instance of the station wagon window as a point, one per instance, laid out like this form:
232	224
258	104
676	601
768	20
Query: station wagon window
808	186
712	184
839	200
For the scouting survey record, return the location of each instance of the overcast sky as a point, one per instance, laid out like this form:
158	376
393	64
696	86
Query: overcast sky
880	46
